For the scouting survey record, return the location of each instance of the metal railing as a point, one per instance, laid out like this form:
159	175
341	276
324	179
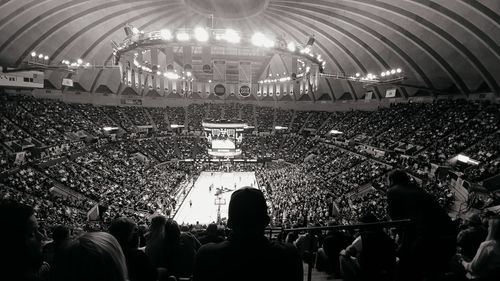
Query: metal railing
311	230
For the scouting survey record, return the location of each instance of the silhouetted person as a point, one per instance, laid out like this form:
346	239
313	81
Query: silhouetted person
155	239
179	251
375	254
470	238
138	264
60	234
429	241
93	256
211	235
21	253
248	254
328	255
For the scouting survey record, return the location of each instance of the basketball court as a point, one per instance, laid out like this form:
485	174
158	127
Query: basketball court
211	190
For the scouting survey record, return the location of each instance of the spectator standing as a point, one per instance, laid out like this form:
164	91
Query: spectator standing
429	241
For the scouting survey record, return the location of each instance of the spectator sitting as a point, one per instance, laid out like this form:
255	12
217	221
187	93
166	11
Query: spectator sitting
486	262
327	258
374	252
93	256
179	251
21	255
138	264
211	235
247	254
60	234
155	239
470	238
308	244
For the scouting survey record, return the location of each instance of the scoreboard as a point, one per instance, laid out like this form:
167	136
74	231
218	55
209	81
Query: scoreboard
224	137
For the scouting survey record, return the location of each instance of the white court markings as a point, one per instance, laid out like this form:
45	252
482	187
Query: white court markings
203	209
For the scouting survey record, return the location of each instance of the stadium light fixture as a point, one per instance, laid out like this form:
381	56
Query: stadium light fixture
182	36
33	54
40	56
201	34
171	75
260	40
79	61
291	47
463	158
166	34
231	36
280	128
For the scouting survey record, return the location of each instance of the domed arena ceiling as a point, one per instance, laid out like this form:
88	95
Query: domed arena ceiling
443	46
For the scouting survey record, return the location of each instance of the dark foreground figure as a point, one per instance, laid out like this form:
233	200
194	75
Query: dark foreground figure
248	254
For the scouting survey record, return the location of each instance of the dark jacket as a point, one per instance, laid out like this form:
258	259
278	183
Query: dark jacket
244	259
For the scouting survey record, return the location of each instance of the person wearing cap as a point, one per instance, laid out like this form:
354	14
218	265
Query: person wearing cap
248	254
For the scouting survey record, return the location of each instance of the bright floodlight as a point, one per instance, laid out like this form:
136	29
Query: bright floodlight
260	40
33	54
398	70
201	34
232	36
79	61
171	75
382	74
107	129
387	73
182	36
291	47
40	56
46	58
165	34
393	71
357	74
189	74
280	127
463	158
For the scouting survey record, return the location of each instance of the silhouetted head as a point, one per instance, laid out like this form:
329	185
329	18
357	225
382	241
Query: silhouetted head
248	211
93	256
172	232
157	227
21	251
125	231
212	229
60	233
398	177
494	229
368	218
